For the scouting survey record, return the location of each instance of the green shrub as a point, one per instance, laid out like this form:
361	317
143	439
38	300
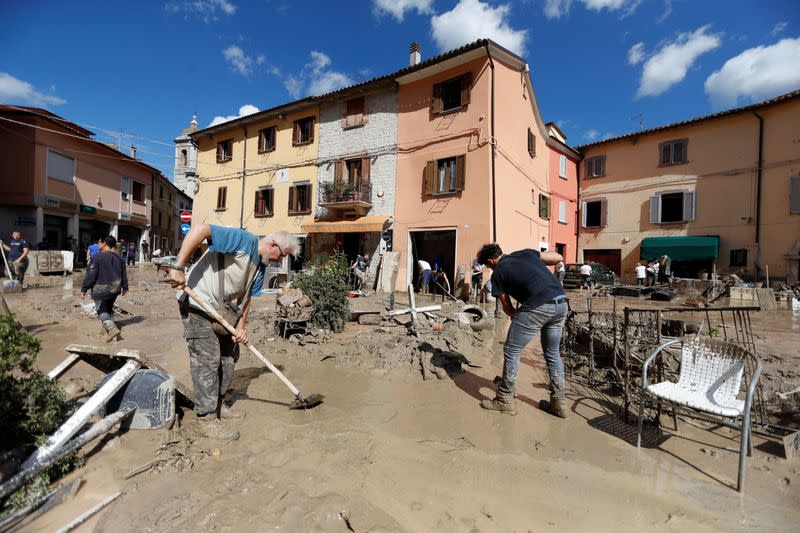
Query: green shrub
326	285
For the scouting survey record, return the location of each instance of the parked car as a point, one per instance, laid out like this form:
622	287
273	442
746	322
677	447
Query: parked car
601	275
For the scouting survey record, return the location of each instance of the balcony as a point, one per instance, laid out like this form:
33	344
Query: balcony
344	197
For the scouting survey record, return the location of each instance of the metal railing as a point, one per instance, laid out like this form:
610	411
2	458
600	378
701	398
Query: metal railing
331	193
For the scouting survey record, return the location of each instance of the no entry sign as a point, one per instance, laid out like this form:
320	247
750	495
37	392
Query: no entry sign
186	216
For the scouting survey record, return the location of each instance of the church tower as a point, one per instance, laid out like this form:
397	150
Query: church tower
185	173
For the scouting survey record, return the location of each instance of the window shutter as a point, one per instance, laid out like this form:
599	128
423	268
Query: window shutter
655	209
677	149
466	88
436	103
311	129
258	198
460	172
219	152
291	199
365	168
296	133
430	177
604	212
794	195
338	171
666	154
530	143
562	211
562	166
589	168
271	201
688	206
583	214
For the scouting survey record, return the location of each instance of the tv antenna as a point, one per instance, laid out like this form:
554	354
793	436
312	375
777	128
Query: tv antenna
640	118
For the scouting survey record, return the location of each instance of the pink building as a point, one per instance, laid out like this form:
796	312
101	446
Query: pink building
472	159
564	193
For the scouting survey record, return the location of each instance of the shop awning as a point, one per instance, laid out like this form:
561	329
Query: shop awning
358	225
681	248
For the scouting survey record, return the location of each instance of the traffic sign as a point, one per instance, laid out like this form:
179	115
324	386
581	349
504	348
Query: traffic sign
185	228
186	216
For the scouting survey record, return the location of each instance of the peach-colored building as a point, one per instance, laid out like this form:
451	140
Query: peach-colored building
732	179
472	161
56	182
564	194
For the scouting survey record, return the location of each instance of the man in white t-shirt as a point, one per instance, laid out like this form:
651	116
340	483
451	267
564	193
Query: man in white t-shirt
586	275
424	275
641	274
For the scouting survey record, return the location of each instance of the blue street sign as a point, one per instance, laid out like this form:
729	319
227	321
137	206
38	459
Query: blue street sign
185	228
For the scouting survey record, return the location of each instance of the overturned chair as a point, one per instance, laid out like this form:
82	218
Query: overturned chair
712	372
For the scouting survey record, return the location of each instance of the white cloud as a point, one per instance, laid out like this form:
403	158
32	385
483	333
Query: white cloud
636	54
261	59
778	28
757	73
398	8
315	78
293	85
319	61
554	9
670	64
667	12
239	61
591	135
205	9
328	81
13	90
245	110
472	19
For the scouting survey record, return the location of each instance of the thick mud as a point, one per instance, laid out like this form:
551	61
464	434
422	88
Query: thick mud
390	452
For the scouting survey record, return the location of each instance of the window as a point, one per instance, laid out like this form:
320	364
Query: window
531	143
60	167
266	139
544	207
562	212
671	207
222	198
225	151
300	199
138	192
445	176
354	170
673	152
124	187
264	202
739	258
354	113
594	213
184	158
303	132
562	166
794	195
161	192
596	166
159	218
451	95
561	249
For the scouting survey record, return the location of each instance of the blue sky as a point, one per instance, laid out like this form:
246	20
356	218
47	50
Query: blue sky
598	66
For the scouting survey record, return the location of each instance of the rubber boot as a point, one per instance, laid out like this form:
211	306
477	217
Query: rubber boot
557	406
112	331
211	427
226	413
504	401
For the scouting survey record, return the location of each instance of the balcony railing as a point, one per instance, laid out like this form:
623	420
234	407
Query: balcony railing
346	196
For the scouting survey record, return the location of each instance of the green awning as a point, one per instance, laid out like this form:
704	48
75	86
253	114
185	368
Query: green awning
681	248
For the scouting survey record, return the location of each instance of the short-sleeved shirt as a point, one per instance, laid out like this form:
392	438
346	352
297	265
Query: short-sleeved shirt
523	276
641	272
361	263
424	265
586	270
17	248
93	250
239	251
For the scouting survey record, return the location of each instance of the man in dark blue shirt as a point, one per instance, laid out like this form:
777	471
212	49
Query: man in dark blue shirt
17	256
106	277
541	308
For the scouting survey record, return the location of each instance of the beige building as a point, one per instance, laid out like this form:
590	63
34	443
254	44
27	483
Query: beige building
259	172
732	178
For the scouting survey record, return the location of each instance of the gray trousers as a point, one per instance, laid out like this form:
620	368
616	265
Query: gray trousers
212	358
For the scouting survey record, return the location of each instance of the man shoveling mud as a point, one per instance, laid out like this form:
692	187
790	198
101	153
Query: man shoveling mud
225	277
542	307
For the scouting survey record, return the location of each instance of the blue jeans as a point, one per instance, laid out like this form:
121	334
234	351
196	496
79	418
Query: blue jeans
105	308
549	320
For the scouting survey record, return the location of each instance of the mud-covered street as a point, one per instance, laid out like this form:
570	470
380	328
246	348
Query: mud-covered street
388	451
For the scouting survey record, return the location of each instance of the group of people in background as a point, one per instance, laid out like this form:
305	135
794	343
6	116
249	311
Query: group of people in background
656	271
432	279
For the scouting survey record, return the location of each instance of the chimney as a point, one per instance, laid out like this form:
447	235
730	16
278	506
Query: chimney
133	151
416	53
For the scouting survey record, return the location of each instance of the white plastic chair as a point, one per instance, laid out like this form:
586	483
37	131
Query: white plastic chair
710	380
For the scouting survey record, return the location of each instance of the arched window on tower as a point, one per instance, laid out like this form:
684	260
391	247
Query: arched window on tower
184	158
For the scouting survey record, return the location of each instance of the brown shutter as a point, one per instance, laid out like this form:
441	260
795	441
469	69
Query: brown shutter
255	208
430	177
530	142
311	130
436	103
466	88
219	152
291	199
295	133
365	168
338	171
460	172
271	202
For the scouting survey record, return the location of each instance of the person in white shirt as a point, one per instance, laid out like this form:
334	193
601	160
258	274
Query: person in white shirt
652	273
424	275
586	275
561	270
641	274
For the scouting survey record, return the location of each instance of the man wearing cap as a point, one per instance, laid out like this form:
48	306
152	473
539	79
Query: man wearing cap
541	308
225	277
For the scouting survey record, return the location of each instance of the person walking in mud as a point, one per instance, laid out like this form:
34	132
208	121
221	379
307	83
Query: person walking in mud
541	308
107	278
225	277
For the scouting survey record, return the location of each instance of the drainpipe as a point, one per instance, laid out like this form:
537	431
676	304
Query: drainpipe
244	177
494	150
577	212
758	193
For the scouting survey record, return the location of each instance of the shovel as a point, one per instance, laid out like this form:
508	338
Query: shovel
299	402
10	284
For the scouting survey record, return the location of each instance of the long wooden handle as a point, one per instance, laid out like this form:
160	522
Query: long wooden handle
5	261
213	313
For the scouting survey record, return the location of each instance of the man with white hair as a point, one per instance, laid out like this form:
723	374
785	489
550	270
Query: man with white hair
225	277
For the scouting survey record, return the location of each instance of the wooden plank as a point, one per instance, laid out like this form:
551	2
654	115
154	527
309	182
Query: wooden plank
104	350
65	365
